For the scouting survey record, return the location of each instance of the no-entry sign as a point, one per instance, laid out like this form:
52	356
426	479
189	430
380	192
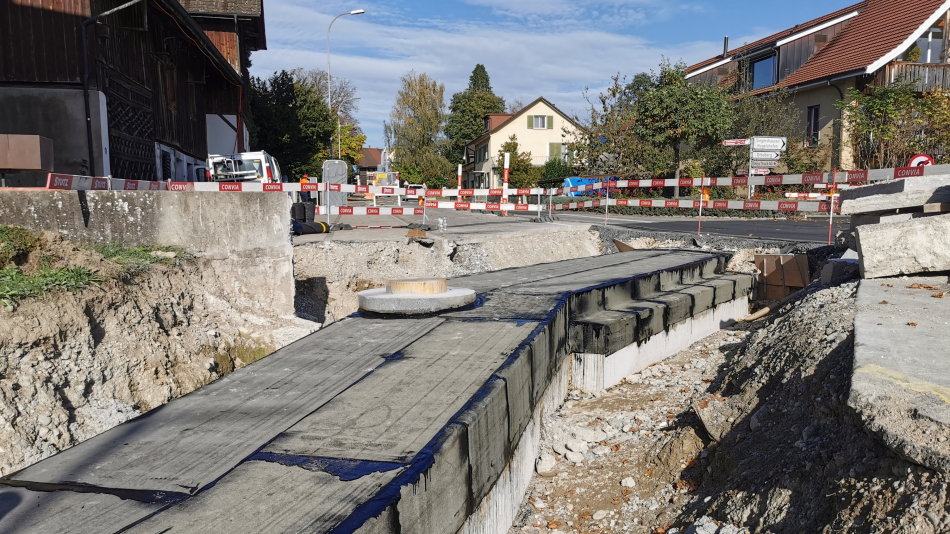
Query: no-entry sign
920	160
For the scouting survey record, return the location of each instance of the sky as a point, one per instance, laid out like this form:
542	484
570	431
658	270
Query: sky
531	48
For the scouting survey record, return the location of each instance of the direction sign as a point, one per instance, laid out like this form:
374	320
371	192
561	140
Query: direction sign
769	143
736	142
743	172
764	164
766	155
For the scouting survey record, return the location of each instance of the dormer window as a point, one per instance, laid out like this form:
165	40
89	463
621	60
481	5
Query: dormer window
763	72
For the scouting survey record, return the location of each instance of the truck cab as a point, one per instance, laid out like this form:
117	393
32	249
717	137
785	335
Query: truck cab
244	167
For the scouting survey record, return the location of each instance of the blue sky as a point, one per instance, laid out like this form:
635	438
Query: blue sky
531	48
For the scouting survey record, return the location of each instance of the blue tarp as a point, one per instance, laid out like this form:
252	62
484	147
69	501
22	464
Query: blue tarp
572	182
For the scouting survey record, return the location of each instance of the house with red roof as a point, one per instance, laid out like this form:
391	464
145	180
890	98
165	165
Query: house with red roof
874	42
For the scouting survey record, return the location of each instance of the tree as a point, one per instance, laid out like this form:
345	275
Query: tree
516	106
289	122
351	146
468	109
415	130
521	173
342	93
887	125
938	119
675	113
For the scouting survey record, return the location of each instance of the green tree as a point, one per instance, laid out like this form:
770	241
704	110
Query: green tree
674	113
887	125
521	173
290	122
414	130
467	111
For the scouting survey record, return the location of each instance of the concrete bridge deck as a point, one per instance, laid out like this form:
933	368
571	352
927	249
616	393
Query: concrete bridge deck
378	424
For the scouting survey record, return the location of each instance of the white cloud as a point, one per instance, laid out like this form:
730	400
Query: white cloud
524	61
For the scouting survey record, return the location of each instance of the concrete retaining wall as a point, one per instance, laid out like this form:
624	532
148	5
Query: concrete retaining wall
243	239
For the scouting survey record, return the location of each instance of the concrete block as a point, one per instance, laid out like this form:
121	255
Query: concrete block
911	247
724	287
439	501
488	445
384	523
863	219
839	270
606	331
678	305
743	282
702	296
900	386
891	195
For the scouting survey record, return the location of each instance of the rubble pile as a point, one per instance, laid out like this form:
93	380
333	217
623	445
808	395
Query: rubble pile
747	431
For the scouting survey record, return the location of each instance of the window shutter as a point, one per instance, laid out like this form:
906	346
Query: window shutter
554	150
531	122
550	122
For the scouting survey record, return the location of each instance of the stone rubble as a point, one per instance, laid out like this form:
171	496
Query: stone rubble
746	431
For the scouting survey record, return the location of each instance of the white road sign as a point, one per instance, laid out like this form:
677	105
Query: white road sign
769	143
743	172
766	155
765	164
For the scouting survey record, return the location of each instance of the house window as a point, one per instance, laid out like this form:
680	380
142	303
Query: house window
812	128
540	122
763	73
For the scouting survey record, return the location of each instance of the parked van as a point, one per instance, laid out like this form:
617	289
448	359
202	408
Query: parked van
244	167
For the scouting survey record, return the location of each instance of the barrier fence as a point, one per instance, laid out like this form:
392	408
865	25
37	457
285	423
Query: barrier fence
840	179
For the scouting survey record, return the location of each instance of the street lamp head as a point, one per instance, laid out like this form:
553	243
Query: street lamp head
356	12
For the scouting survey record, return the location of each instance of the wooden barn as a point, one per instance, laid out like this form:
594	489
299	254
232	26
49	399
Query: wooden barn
125	88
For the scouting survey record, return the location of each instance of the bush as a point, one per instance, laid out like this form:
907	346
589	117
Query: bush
15	242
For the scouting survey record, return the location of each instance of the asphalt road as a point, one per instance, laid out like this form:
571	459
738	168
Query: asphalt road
810	230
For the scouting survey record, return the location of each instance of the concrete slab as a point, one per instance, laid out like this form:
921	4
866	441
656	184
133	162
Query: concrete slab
254	498
901	381
517	376
394	412
891	195
65	512
189	442
911	247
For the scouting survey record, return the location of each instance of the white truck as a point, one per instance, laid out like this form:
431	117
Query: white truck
244	167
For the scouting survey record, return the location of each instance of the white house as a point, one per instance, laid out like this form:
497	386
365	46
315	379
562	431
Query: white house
540	128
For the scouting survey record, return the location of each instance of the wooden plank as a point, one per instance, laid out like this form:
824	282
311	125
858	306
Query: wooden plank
942	207
392	414
190	442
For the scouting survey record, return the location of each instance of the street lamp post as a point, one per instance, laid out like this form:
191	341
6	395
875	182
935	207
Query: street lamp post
329	96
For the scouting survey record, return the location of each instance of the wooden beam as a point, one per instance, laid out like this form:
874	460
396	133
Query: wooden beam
942	207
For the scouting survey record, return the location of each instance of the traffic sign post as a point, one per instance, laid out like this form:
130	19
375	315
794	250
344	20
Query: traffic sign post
764	154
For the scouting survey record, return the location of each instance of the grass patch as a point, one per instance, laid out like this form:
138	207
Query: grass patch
16	286
140	259
15	242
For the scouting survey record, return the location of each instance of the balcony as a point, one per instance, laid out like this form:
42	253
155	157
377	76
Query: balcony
925	76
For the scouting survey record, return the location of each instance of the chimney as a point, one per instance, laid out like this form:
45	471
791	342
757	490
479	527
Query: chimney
725	47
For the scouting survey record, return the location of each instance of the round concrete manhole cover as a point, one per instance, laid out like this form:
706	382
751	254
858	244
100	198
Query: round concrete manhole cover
415	296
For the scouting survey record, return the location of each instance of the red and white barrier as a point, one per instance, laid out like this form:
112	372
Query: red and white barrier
752	205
